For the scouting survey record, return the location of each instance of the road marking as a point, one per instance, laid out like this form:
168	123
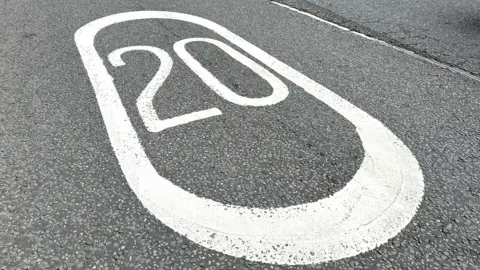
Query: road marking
144	102
280	90
375	205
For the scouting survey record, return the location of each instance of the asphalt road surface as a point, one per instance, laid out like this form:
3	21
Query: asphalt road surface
236	135
445	30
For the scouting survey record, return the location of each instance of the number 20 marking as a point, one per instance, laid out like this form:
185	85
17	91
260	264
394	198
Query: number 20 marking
144	102
375	205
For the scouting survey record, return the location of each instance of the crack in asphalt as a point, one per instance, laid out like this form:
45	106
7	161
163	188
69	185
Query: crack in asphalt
332	17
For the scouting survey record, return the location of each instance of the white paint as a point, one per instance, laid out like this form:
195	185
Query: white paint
411	53
145	100
280	90
377	203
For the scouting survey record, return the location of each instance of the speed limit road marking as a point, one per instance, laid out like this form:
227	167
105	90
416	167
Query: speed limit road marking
375	205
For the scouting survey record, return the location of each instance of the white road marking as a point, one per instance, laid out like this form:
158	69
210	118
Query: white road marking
144	102
377	203
280	90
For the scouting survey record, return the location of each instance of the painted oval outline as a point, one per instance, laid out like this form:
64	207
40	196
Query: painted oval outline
377	203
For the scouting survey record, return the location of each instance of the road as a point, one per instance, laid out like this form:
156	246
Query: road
446	30
234	135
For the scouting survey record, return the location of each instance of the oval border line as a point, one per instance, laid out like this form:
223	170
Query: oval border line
374	206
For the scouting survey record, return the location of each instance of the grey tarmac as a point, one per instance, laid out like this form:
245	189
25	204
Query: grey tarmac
445	30
65	203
